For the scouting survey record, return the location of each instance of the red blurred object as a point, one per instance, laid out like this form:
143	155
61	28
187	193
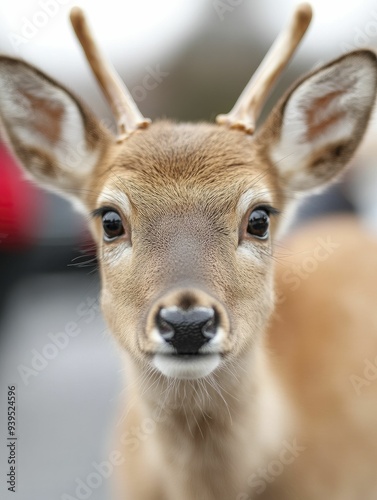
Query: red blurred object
20	205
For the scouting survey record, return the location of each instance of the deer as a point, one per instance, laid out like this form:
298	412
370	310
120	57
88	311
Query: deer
248	383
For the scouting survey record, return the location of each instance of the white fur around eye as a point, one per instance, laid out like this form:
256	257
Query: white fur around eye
251	196
251	251
115	254
115	197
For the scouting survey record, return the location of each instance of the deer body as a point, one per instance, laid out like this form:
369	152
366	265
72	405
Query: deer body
320	359
238	387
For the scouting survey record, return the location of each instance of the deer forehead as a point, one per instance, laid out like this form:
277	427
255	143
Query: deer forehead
185	168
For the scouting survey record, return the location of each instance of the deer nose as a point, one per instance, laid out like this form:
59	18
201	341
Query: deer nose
187	330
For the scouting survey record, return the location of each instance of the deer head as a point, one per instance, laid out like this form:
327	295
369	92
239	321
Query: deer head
185	215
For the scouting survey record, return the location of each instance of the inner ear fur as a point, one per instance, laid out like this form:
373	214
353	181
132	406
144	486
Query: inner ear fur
314	130
57	140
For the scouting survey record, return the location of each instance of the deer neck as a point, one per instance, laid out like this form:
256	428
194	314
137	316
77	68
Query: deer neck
237	417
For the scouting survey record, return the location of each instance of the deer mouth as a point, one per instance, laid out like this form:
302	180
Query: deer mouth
186	366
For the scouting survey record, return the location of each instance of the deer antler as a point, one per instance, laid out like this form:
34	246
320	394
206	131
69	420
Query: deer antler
126	113
247	109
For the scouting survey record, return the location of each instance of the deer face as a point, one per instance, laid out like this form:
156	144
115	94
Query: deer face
184	216
186	267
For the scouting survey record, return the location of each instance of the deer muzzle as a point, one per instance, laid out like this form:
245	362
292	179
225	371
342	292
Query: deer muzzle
187	333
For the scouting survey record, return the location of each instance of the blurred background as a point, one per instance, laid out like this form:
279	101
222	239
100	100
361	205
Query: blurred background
199	54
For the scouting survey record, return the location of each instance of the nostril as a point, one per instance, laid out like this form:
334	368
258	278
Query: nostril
166	330
209	330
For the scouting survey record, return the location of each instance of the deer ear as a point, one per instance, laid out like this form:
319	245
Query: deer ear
314	131
57	141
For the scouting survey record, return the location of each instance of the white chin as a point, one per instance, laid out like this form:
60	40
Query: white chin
189	368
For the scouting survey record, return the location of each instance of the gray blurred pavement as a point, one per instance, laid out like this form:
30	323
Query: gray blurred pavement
66	409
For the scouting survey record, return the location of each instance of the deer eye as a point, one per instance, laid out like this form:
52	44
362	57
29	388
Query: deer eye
258	223
112	225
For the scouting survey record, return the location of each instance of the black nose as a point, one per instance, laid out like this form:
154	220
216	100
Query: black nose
187	331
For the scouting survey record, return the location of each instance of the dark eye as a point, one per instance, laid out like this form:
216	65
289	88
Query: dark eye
258	224
112	225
